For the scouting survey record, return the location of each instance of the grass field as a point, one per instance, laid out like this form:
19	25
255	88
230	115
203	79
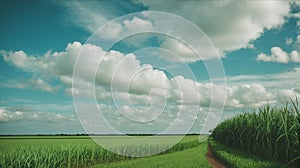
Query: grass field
268	138
190	158
69	151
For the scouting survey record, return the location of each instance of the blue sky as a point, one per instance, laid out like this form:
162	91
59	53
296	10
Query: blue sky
151	80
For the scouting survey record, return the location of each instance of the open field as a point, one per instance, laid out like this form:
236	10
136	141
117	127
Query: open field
192	157
268	138
68	151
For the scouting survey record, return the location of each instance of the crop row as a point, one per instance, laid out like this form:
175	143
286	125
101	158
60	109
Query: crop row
73	155
271	133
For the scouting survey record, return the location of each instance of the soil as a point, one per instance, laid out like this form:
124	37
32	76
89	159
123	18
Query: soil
214	162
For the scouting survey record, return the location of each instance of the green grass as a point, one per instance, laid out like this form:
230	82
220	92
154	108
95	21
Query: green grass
190	158
67	151
272	133
237	159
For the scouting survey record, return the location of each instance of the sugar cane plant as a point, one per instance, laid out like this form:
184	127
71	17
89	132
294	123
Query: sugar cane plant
272	133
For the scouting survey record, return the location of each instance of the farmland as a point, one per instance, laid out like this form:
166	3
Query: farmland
70	151
192	157
272	133
267	138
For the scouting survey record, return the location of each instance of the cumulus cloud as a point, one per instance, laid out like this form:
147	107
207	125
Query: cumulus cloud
141	92
290	93
277	55
115	30
181	52
28	63
18	58
251	95
183	94
118	30
231	25
124	73
272	87
295	56
295	15
281	56
236	95
116	71
138	24
92	15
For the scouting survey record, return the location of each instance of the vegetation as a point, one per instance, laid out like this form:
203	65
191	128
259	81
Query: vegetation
268	138
65	151
238	159
271	133
44	153
192	157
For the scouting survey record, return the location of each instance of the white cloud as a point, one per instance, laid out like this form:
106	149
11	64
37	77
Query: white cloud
21	60
125	74
110	31
251	95
182	51
116	69
91	15
141	91
87	15
296	15
117	30
277	55
236	95
232	25
280	56
35	84
277	87
290	93
295	2
288	41
28	63
19	116
18	58
185	91
138	24
295	56
39	84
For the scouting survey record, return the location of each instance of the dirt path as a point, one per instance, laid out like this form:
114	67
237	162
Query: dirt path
214	162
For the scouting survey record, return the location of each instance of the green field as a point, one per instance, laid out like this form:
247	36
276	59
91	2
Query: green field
191	158
268	138
81	151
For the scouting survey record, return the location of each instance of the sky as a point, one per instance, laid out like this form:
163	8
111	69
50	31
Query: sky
143	66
